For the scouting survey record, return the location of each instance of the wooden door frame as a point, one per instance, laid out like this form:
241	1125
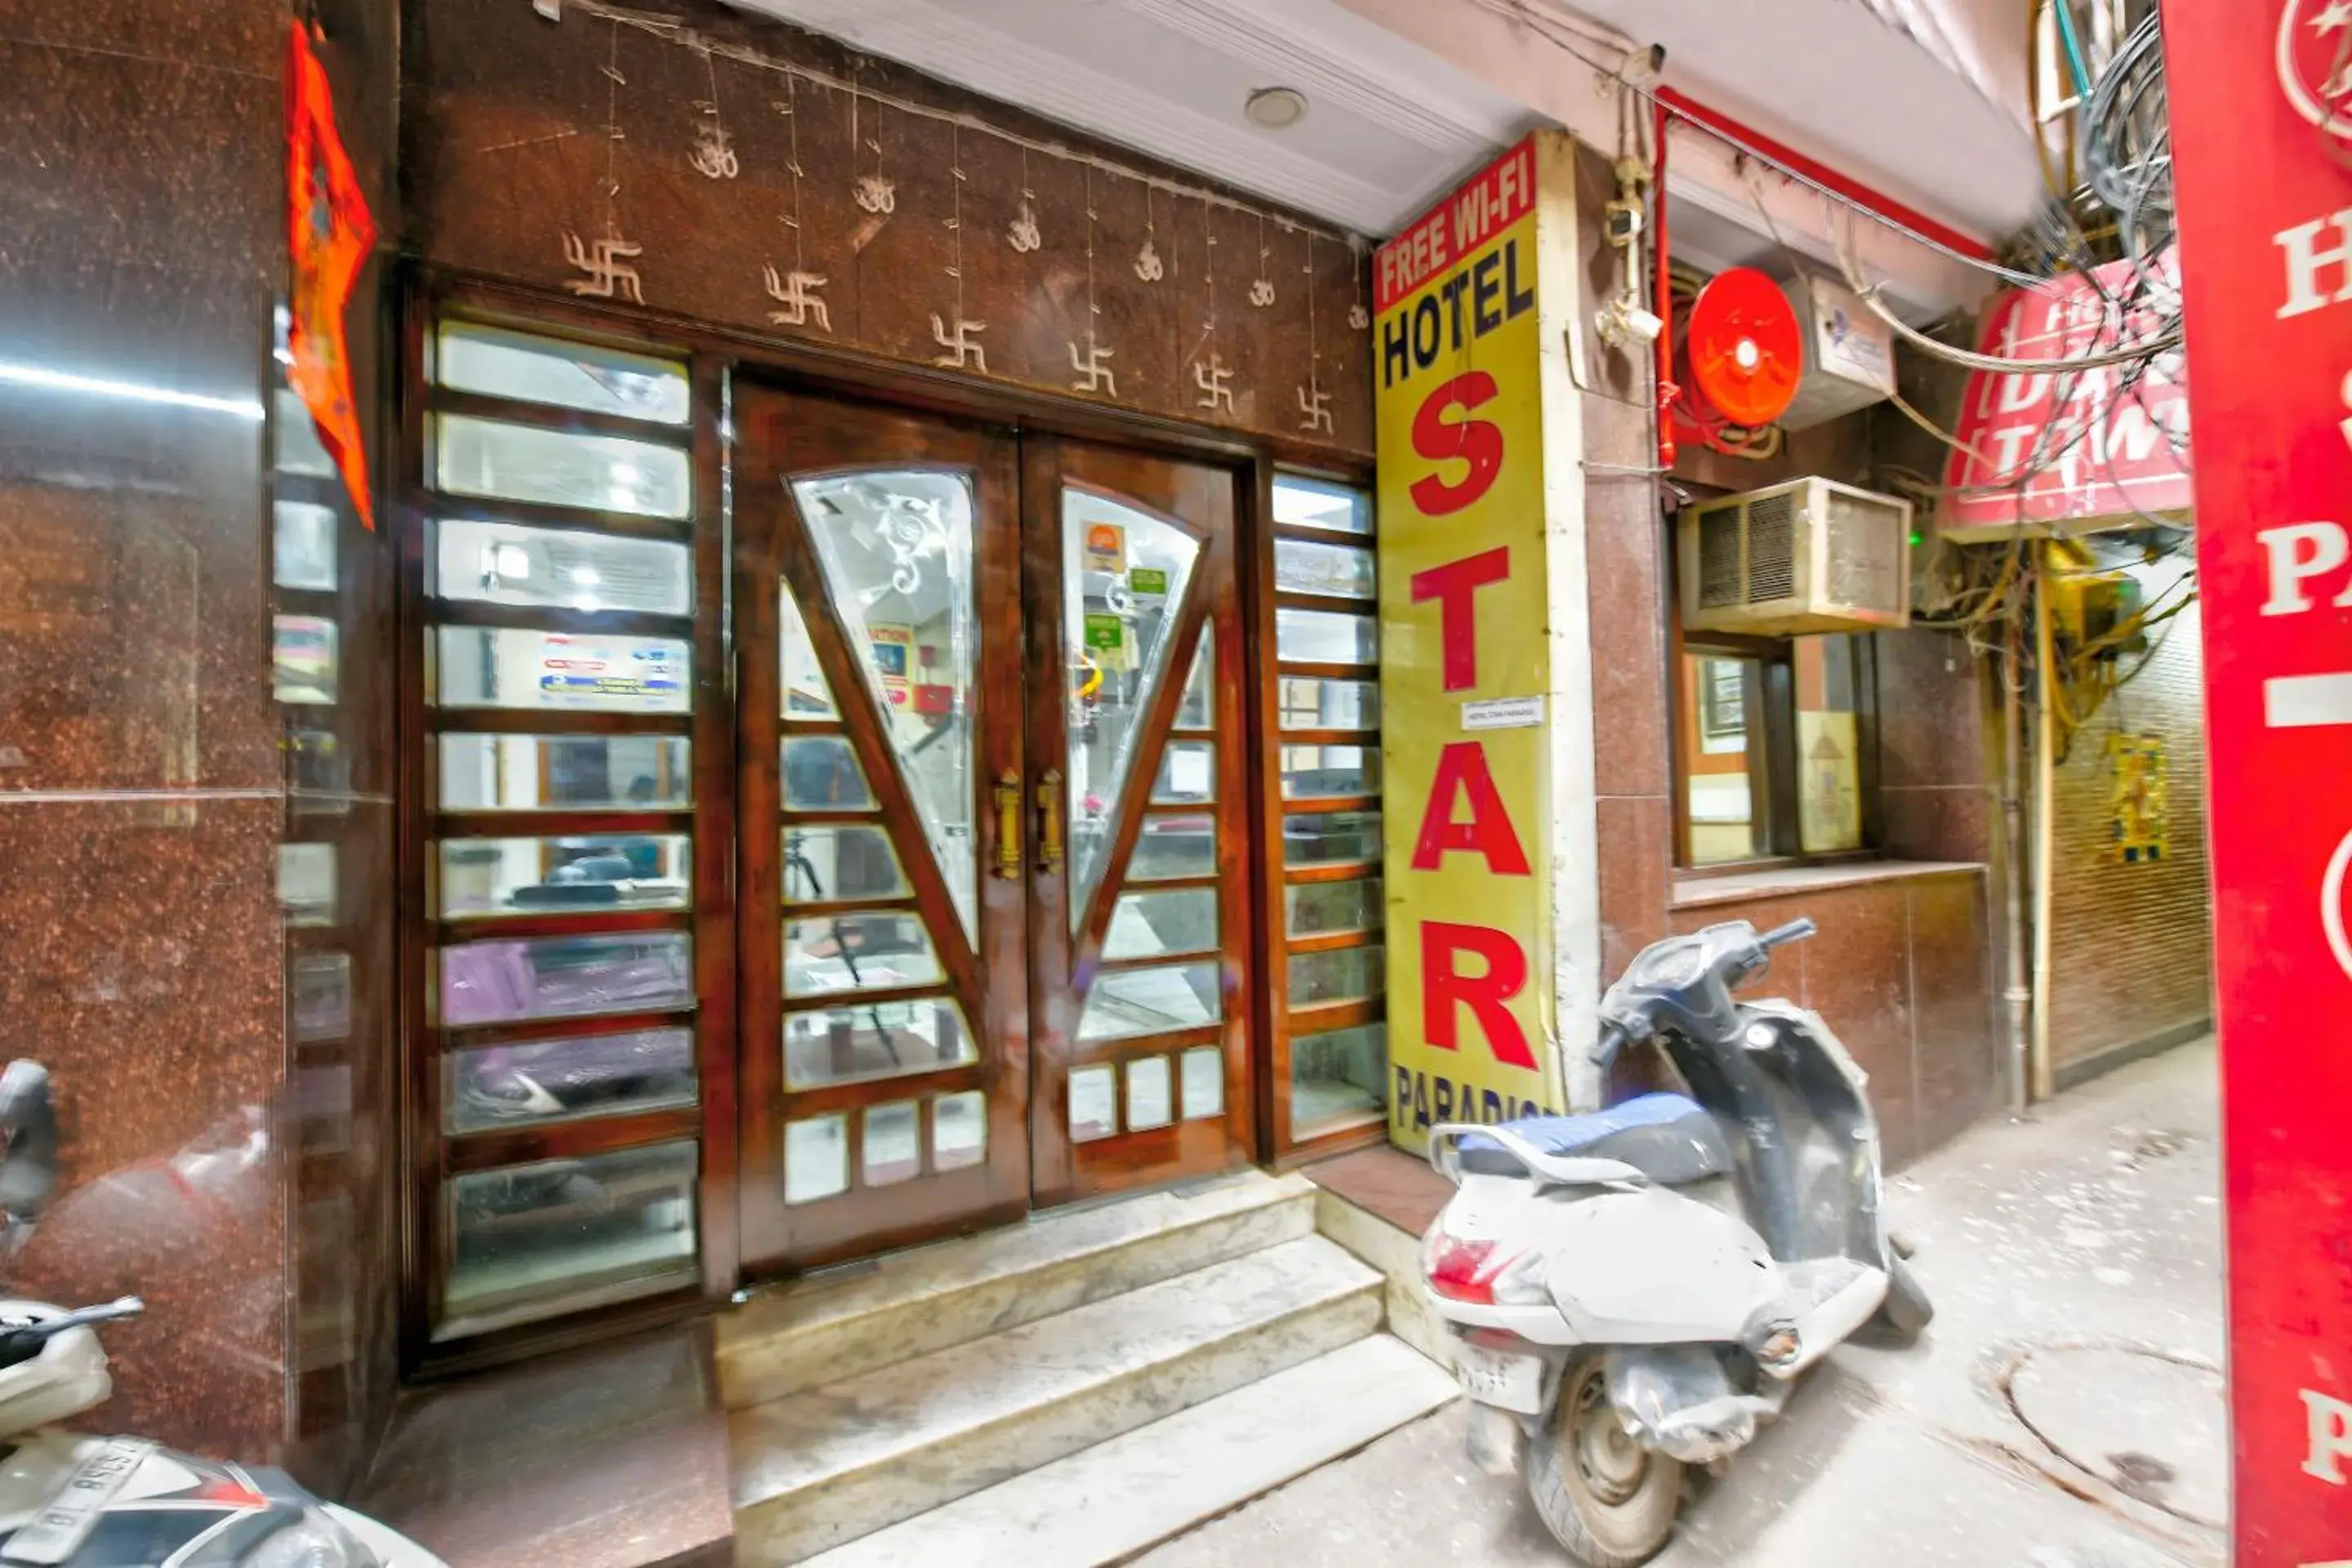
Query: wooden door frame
1050	464
423	291
994	1006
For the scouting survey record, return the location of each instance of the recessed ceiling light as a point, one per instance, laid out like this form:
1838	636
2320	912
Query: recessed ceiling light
1276	108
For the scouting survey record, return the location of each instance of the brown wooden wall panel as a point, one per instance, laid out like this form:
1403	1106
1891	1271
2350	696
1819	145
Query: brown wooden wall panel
697	161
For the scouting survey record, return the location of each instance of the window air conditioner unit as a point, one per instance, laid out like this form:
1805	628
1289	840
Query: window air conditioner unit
1811	555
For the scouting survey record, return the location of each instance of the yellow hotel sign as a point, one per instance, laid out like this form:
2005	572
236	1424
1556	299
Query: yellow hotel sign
1465	658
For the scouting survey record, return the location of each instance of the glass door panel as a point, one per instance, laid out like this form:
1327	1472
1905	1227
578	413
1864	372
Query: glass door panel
1139	919
897	545
1124	573
885	1078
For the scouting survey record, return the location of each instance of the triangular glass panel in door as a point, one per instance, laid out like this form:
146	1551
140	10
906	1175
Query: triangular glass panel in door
897	548
1124	573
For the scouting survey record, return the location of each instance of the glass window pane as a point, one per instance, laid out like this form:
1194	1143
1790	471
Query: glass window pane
1328	837
294	439
553	1080
303	654
533	369
1176	920
844	1045
1311	702
1718	694
837	863
513	666
1344	975
1188	774
1317	503
1094	1103
1198	708
816	1158
896	547
1325	636
306	884
1150	1094
1119	638
830	953
821	773
565	976
958	1131
1829	745
1183	845
1312	771
1125	1003
561	468
322	996
806	694
891	1144
303	555
566	772
1319	909
1302	566
561	1234
550	568
559	876
1337	1077
1205	1082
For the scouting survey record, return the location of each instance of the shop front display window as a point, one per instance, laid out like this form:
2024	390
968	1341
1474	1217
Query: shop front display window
1325	760
558	834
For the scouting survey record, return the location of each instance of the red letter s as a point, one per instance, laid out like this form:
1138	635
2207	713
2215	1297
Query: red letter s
1478	442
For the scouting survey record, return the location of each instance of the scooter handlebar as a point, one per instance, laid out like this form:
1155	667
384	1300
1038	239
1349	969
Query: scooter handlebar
1795	930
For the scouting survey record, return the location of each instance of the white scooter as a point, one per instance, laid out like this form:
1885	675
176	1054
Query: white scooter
1633	1290
71	1500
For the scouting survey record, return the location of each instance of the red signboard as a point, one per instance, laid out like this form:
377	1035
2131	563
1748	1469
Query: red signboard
2261	143
2081	445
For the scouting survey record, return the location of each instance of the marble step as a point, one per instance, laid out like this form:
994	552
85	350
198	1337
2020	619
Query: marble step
1107	1503
828	1464
798	1335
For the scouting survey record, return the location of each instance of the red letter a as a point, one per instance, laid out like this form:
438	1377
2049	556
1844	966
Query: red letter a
1442	985
1462	769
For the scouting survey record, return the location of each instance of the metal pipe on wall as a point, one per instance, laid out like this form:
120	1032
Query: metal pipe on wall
2046	766
2017	994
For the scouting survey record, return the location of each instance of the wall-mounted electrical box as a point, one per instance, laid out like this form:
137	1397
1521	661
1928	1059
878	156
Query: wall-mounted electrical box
1849	353
1811	555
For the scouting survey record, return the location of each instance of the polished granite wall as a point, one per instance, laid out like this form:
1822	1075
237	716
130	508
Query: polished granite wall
143	776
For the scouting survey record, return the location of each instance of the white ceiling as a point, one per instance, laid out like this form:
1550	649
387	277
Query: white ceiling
1407	95
1388	128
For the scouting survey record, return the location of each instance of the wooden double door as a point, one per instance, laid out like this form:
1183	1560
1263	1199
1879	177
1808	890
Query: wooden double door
992	891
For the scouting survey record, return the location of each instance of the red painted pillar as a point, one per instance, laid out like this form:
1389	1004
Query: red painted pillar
2262	138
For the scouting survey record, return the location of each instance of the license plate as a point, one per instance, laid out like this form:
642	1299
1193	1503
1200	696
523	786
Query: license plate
57	1532
1508	1382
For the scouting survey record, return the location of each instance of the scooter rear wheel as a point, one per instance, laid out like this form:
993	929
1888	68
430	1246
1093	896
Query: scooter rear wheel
1608	1500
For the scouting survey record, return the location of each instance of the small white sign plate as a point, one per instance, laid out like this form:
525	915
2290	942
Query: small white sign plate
1503	713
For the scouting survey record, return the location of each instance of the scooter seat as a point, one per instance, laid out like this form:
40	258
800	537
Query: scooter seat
1666	1137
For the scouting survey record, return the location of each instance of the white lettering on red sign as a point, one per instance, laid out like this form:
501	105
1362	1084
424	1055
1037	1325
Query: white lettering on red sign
2297	552
2330	1424
2305	290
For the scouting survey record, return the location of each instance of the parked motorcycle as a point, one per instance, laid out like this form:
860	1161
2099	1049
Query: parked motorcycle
1633	1290
71	1500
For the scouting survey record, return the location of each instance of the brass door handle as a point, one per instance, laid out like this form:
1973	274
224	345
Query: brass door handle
1049	819
1008	825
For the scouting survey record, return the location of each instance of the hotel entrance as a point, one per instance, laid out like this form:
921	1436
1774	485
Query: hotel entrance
844	817
992	894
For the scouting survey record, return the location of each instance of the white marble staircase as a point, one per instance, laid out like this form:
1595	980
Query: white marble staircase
1064	1393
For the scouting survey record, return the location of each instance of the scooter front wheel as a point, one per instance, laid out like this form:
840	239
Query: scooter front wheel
1611	1501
